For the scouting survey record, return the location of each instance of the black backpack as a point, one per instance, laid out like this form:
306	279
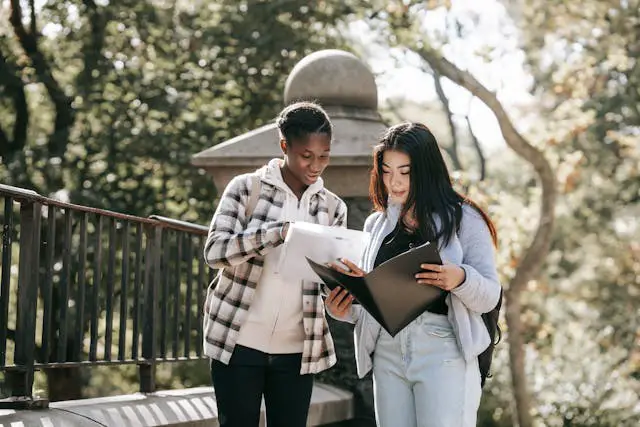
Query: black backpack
491	322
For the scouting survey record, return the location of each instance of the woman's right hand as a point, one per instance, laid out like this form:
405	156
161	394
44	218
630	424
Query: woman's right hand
339	302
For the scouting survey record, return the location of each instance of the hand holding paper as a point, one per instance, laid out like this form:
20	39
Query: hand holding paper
353	270
321	243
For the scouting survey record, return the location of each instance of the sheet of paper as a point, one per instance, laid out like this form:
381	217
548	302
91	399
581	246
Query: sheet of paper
320	243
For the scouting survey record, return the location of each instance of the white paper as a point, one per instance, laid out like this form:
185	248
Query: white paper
320	243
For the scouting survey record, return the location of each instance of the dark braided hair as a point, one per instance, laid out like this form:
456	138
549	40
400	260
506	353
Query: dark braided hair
301	119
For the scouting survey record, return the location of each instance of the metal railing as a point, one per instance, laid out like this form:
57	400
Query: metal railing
82	287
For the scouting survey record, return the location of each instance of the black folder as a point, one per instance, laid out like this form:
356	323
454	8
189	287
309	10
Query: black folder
390	292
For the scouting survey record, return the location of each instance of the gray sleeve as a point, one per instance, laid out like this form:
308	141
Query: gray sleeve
370	222
480	290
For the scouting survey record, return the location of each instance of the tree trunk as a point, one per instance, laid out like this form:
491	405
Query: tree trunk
534	257
64	111
517	360
14	89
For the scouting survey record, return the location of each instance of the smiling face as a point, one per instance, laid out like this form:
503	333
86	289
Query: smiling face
307	158
396	168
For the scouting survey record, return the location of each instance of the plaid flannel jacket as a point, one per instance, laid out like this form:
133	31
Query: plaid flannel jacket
236	245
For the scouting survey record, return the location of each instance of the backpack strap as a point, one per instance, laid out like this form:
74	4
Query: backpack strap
254	195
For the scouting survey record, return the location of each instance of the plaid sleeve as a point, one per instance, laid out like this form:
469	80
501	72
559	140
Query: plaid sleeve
340	216
229	243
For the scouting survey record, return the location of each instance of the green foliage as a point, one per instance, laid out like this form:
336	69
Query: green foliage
151	84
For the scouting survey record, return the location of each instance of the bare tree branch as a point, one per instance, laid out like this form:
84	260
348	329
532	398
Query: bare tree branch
453	151
531	263
450	150
64	118
476	144
33	24
534	257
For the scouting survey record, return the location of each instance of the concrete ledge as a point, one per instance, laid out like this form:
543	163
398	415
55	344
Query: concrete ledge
193	407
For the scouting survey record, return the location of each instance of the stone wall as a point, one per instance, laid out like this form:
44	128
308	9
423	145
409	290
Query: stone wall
359	209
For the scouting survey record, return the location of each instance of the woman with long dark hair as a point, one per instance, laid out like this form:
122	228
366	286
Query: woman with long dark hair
428	374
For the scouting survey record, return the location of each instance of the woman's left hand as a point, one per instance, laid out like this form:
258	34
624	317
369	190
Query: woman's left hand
446	277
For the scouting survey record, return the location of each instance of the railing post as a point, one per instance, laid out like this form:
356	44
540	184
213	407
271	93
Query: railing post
20	378
152	273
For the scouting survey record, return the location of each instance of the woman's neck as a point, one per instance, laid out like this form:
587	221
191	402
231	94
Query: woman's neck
298	187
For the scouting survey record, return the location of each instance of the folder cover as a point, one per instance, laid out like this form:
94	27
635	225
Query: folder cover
390	292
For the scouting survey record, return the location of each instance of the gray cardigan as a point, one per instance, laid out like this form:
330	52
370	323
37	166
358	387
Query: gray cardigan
473	250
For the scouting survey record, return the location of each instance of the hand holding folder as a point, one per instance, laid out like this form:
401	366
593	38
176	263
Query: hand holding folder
390	292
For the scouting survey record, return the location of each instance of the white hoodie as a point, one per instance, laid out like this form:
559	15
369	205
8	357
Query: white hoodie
274	322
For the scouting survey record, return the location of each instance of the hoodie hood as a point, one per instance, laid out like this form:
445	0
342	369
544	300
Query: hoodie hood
272	174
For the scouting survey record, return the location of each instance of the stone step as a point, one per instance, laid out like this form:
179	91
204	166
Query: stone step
192	407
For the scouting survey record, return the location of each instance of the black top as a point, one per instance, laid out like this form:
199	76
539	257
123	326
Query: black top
399	241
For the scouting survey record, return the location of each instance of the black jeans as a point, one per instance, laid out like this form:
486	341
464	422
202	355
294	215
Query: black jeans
251	374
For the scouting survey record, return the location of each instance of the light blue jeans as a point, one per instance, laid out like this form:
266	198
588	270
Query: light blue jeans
421	378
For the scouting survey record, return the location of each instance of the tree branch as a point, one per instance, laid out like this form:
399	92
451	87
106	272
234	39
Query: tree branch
92	51
64	118
532	262
476	144
453	152
33	24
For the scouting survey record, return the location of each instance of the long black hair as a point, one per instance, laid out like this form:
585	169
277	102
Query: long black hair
431	191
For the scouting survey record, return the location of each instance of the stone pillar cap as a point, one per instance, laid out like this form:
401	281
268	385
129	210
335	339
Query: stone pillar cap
332	77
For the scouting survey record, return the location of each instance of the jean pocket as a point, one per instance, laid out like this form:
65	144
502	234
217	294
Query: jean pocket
438	331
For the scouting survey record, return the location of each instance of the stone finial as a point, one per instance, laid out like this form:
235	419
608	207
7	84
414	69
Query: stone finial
333	78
